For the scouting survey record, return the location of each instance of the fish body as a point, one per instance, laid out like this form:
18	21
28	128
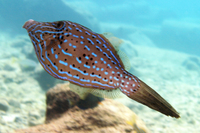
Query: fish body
72	52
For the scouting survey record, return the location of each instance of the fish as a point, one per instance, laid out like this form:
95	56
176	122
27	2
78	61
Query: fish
72	52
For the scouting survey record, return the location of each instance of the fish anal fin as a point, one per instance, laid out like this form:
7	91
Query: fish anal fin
112	94
83	92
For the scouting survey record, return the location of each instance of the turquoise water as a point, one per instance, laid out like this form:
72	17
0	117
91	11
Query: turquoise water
163	35
171	25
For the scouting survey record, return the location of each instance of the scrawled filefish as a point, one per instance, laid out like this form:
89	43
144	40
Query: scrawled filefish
72	52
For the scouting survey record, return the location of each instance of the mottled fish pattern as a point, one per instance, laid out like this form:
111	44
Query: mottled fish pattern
72	52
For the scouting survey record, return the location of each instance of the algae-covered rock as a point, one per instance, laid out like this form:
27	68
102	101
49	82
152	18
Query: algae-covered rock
108	116
59	99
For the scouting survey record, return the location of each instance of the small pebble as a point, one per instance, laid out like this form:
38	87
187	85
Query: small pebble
34	122
18	120
34	114
4	105
14	103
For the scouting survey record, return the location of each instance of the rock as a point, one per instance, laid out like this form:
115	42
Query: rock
18	120
90	101
34	114
4	105
59	99
15	103
109	116
35	118
34	122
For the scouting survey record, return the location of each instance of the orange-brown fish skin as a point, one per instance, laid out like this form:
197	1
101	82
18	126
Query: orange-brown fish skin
72	52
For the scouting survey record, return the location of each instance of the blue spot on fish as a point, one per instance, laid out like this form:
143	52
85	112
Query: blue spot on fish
62	62
66	53
76	36
86	66
56	56
78	70
69	27
79	61
52	50
94	54
90	40
87	47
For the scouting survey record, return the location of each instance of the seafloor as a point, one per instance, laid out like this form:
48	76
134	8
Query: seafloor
173	75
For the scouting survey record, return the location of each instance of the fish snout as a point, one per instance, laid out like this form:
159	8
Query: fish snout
28	23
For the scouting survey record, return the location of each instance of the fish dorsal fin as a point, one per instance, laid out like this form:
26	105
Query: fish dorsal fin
112	46
116	42
83	92
125	60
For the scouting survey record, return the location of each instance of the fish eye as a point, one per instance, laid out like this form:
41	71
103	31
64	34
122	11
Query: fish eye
59	25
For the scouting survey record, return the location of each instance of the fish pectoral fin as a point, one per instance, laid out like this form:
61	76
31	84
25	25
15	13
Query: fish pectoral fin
147	96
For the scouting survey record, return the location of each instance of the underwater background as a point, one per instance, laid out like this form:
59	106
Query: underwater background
161	39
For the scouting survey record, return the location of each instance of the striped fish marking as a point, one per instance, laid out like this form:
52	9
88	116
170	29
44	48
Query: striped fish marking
72	52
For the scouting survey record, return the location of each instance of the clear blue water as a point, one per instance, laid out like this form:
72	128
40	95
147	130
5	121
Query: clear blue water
169	25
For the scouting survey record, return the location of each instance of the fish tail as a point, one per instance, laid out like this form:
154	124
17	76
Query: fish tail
147	96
